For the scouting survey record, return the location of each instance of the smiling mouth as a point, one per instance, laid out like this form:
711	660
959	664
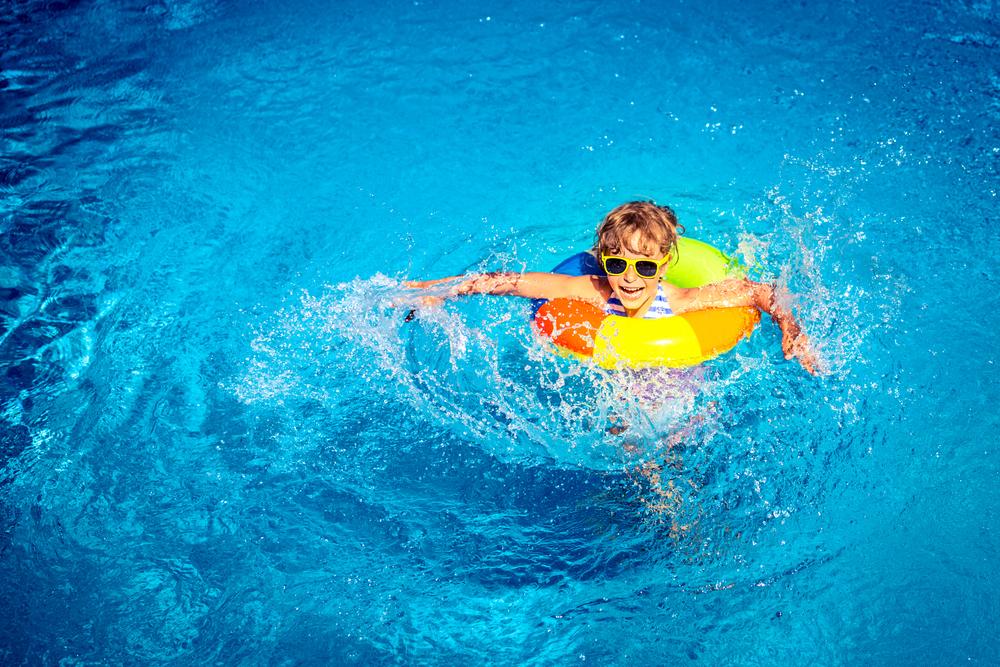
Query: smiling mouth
630	291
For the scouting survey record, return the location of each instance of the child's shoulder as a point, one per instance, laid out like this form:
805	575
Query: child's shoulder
592	288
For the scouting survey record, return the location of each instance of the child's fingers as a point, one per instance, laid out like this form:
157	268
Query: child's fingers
424	284
799	348
808	359
808	363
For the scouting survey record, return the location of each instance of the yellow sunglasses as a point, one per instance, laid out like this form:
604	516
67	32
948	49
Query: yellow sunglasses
646	268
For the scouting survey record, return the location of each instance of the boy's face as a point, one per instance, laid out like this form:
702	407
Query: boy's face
633	290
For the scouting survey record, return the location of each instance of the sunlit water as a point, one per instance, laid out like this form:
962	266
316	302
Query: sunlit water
221	443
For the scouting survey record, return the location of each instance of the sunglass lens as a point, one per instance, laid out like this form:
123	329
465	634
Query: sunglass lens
615	266
645	268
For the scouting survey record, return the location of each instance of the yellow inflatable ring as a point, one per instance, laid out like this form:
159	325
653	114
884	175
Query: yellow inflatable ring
583	329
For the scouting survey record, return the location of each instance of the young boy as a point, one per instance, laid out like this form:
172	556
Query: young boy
635	243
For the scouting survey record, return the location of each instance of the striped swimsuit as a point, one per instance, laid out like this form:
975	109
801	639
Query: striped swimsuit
660	308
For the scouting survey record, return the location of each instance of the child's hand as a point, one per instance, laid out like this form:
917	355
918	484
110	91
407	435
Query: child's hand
424	284
414	301
797	345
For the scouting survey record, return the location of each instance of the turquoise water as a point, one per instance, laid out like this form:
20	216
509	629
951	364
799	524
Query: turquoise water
219	443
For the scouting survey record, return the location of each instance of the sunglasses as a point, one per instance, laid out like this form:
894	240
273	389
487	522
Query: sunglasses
646	268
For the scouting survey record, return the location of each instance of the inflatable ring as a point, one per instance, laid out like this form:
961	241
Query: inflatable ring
583	329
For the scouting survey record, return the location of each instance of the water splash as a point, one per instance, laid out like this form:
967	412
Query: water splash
471	366
812	256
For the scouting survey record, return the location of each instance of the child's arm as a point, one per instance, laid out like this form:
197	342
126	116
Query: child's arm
742	292
529	285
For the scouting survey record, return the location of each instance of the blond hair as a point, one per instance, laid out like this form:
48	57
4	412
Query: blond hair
651	223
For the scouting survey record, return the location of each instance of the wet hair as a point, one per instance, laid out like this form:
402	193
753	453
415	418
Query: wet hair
656	225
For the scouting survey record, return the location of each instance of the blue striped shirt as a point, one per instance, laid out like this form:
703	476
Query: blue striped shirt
658	309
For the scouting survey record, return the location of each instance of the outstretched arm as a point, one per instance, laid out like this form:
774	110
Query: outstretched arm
742	292
529	285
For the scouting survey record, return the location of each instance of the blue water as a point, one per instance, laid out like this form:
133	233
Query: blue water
220	444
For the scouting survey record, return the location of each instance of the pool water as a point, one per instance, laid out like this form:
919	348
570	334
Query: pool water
221	443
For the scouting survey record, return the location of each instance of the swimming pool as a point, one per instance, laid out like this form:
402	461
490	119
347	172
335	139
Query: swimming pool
219	443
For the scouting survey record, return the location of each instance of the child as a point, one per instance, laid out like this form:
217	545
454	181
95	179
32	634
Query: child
635	243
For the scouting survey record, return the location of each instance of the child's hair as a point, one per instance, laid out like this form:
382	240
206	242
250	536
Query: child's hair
655	225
